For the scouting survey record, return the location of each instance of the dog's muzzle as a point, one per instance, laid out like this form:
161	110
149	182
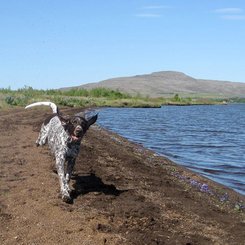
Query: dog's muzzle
78	131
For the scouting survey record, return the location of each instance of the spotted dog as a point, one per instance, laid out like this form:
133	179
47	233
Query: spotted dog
64	135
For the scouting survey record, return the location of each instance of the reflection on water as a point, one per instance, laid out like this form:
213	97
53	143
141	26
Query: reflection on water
207	139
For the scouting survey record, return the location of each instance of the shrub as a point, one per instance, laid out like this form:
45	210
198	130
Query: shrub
16	101
176	98
107	93
9	100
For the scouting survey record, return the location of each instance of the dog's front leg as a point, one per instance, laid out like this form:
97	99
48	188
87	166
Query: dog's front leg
70	166
64	188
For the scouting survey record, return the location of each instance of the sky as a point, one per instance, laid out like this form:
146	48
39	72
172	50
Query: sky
49	44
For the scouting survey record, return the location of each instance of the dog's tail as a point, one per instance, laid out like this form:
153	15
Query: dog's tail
51	104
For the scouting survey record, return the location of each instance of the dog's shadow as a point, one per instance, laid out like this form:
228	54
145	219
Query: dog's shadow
91	183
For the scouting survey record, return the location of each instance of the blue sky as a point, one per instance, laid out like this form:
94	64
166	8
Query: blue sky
59	43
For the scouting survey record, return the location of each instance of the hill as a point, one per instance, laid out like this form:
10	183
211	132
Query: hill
167	83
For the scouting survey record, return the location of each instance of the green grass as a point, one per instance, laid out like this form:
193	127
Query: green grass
98	97
74	98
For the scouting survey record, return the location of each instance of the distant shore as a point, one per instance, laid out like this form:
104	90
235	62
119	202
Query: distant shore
100	97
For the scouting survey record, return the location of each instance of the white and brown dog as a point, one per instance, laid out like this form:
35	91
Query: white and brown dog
64	135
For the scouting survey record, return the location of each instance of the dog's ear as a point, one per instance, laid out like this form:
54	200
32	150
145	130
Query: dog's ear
91	120
81	114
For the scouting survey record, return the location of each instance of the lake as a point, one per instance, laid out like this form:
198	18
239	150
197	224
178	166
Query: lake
209	140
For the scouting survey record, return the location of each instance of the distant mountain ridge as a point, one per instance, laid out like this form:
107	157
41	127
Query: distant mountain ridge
167	83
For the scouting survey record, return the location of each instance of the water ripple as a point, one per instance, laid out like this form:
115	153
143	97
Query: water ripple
207	139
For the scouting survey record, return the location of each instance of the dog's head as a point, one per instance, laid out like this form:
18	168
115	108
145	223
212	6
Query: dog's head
78	125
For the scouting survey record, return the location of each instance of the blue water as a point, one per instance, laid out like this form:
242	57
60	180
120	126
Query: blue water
207	139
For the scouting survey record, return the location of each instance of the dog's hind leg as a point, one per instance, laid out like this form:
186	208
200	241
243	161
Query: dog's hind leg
43	134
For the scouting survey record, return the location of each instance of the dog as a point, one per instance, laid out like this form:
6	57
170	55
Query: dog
63	135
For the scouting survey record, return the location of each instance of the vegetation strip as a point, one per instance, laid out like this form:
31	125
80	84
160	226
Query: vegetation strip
99	97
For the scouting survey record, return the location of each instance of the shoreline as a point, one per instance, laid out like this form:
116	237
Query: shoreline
193	179
123	193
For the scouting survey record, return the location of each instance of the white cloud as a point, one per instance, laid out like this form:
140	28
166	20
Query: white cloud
228	11
151	11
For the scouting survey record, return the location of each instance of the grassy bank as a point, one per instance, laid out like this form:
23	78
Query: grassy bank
99	97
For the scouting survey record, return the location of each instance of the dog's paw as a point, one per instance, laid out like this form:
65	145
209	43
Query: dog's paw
38	143
67	199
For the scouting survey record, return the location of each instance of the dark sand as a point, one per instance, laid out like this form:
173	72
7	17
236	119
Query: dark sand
123	194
